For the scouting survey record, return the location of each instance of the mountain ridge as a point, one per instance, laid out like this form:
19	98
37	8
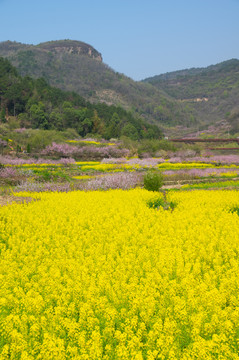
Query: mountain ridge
211	93
71	46
191	71
185	100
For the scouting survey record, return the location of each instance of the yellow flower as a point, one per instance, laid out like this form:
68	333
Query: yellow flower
100	275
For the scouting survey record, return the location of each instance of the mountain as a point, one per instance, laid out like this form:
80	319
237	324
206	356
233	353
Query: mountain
33	103
66	46
76	66
211	93
181	102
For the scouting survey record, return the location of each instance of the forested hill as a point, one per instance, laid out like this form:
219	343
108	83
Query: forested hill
199	82
212	93
180	102
36	104
71	66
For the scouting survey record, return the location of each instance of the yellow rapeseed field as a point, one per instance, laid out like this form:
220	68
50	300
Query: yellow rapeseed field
100	275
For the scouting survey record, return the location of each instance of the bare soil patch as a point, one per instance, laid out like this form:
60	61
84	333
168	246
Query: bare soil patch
9	199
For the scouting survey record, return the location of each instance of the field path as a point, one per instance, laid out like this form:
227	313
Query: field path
9	199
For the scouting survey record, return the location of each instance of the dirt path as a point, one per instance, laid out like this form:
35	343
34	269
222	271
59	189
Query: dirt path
176	186
8	199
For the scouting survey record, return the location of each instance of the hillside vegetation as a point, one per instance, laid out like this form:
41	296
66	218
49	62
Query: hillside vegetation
211	93
190	101
62	65
35	104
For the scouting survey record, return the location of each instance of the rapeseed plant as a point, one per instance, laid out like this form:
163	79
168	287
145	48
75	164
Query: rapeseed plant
100	275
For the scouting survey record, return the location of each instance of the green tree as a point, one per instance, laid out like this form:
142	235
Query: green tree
3	115
130	131
98	124
113	130
87	126
153	180
56	120
38	116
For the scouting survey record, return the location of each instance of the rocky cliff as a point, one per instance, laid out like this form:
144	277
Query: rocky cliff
71	47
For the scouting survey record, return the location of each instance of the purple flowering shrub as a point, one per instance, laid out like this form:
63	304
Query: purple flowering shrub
122	180
34	186
216	159
116	181
84	152
7	172
60	150
8	160
149	162
191	174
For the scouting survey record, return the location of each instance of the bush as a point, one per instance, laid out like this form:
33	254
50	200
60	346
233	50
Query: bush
153	180
235	209
162	202
152	146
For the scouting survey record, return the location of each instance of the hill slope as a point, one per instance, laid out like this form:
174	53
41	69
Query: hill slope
63	65
211	93
36	104
179	102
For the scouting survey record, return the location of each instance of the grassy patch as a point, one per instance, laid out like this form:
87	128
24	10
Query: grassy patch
210	185
156	203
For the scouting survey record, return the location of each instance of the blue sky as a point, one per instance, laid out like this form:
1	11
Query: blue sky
139	38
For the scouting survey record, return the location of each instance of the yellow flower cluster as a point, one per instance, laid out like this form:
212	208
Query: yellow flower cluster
100	275
87	163
98	166
44	165
176	166
229	174
162	166
91	142
31	166
111	167
83	177
84	141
